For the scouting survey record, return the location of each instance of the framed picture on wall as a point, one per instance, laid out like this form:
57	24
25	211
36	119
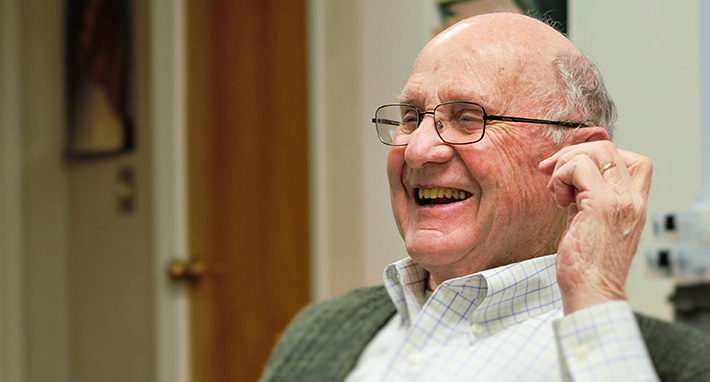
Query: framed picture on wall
98	56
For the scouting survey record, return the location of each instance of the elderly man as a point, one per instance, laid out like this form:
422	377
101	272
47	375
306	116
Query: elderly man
520	218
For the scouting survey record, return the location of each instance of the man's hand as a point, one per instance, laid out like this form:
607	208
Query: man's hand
607	212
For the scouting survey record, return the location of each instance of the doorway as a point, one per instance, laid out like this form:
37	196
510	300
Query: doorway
248	180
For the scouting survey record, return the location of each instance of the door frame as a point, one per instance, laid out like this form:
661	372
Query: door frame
169	172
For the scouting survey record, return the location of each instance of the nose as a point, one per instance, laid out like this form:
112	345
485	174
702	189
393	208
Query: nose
425	146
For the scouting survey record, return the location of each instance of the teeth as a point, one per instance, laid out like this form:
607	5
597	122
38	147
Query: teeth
436	192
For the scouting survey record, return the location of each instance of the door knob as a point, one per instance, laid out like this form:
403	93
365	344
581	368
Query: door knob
187	270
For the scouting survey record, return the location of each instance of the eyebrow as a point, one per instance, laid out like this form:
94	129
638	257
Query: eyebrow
407	99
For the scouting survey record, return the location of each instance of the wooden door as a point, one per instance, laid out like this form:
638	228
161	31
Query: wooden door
247	138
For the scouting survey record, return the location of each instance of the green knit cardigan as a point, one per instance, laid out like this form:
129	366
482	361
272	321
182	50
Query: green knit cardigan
325	340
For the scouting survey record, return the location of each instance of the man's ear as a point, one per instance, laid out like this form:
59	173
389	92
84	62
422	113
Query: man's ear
590	134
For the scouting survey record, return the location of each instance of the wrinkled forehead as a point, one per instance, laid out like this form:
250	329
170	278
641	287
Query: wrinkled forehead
459	72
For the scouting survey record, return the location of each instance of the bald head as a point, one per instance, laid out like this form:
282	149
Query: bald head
533	65
509	29
511	52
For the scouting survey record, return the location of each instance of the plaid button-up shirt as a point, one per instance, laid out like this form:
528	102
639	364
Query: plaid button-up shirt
502	324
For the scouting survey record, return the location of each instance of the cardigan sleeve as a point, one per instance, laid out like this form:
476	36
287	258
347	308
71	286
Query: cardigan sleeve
679	352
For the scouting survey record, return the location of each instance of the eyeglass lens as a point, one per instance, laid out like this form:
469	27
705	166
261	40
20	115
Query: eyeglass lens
456	122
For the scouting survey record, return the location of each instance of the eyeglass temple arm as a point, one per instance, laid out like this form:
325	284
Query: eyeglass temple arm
531	120
385	121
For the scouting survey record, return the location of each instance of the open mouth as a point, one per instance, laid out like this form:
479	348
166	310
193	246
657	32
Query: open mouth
437	195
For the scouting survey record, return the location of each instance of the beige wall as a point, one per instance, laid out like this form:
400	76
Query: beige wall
12	349
44	185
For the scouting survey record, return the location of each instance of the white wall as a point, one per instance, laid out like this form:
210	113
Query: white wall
361	54
167	81
336	202
648	52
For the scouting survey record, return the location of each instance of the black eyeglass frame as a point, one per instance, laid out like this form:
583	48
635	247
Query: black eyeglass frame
486	117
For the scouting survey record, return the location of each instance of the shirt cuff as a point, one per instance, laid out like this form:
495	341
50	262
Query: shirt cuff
603	343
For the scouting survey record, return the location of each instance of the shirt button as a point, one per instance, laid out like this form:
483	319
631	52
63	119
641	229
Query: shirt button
399	278
414	358
581	352
476	329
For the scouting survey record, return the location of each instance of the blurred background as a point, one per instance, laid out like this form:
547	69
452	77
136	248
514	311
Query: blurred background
179	178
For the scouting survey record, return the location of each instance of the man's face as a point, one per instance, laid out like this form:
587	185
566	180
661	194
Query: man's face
508	215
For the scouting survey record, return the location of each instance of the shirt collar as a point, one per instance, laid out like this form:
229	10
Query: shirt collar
499	297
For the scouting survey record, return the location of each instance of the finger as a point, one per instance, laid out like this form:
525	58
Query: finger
598	149
631	171
640	170
575	177
610	163
548	165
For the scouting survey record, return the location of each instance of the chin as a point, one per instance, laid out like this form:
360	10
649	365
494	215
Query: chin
434	253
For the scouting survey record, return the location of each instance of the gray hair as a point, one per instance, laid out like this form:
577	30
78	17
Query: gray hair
585	96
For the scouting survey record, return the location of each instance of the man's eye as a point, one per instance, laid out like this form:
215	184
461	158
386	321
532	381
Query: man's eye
470	118
410	119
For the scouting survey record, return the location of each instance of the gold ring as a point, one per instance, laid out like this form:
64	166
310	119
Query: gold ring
606	167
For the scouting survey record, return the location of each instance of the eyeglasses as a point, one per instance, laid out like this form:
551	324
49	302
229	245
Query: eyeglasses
457	123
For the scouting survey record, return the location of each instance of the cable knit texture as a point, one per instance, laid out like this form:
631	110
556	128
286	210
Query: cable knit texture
325	340
679	352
